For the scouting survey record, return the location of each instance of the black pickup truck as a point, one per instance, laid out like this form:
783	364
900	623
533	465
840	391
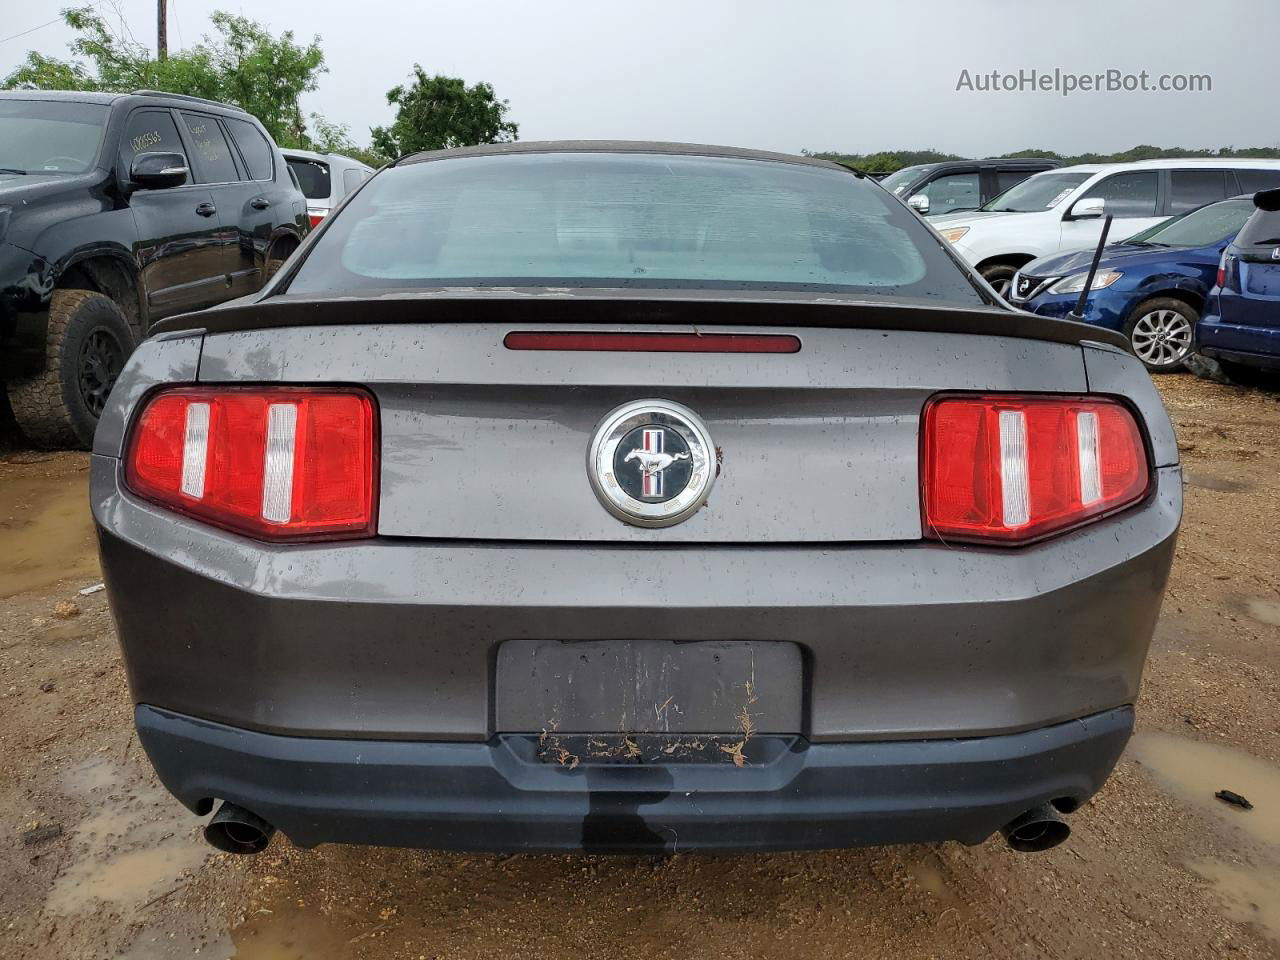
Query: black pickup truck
116	211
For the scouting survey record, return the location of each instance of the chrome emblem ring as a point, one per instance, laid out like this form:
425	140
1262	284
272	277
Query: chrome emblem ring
651	463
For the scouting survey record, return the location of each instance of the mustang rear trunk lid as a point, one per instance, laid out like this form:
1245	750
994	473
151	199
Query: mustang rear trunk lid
480	442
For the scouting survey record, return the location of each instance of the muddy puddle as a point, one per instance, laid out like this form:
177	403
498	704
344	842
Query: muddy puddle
136	844
46	532
1250	892
1264	611
290	933
1207	481
1194	771
156	943
932	880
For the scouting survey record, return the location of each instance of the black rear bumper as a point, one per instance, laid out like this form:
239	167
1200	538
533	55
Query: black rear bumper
499	796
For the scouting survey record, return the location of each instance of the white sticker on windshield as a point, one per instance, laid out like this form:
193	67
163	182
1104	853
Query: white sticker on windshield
1058	199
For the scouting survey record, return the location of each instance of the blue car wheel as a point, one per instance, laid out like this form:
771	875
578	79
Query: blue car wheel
1161	330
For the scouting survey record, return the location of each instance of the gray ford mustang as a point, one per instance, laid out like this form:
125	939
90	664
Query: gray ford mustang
632	497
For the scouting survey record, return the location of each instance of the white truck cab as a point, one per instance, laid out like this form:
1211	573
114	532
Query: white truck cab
1064	209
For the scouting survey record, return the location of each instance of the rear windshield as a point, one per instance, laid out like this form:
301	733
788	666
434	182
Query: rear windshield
629	220
1261	230
1211	223
314	177
1041	192
50	136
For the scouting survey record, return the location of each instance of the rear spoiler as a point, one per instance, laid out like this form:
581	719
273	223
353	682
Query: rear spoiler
558	308
1268	200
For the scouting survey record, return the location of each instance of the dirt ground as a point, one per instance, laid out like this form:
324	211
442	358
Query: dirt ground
96	861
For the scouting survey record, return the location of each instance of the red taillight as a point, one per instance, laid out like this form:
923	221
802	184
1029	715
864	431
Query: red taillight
1011	469
1224	270
278	463
315	219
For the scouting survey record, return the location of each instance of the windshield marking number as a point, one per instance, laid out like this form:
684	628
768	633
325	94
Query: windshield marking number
144	140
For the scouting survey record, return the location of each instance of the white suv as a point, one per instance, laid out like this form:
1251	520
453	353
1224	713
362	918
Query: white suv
1063	209
325	178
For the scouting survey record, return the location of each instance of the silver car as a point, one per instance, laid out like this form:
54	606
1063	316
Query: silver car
632	497
325	178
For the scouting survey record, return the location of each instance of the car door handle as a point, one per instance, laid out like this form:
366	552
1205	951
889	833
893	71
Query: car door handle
206	209
259	203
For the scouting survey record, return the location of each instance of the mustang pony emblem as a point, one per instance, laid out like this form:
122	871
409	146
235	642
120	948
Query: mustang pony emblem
654	459
651	462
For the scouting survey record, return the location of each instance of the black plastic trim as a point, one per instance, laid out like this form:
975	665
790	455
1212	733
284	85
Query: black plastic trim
615	307
1260	360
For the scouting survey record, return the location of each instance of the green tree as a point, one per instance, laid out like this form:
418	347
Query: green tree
331	137
263	74
434	113
242	64
885	161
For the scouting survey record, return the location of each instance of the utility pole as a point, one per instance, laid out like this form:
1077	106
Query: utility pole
162	30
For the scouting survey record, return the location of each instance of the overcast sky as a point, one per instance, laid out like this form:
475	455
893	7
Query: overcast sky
852	76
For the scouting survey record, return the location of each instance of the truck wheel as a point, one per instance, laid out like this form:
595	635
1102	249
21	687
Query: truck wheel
86	346
1161	331
1000	276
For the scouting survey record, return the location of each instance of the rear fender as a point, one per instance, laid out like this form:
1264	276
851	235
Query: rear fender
163	360
1116	372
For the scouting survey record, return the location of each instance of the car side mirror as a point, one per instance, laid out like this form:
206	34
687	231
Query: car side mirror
157	171
919	203
1089	208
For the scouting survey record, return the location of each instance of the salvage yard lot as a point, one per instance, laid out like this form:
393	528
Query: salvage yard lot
96	861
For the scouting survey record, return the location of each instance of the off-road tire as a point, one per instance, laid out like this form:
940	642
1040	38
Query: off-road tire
55	408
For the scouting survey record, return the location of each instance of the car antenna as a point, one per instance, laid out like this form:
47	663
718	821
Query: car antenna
1077	314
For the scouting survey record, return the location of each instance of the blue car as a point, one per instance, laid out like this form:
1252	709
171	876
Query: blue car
1151	286
1241	323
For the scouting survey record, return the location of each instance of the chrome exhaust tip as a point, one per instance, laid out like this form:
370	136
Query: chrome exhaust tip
234	829
1040	828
